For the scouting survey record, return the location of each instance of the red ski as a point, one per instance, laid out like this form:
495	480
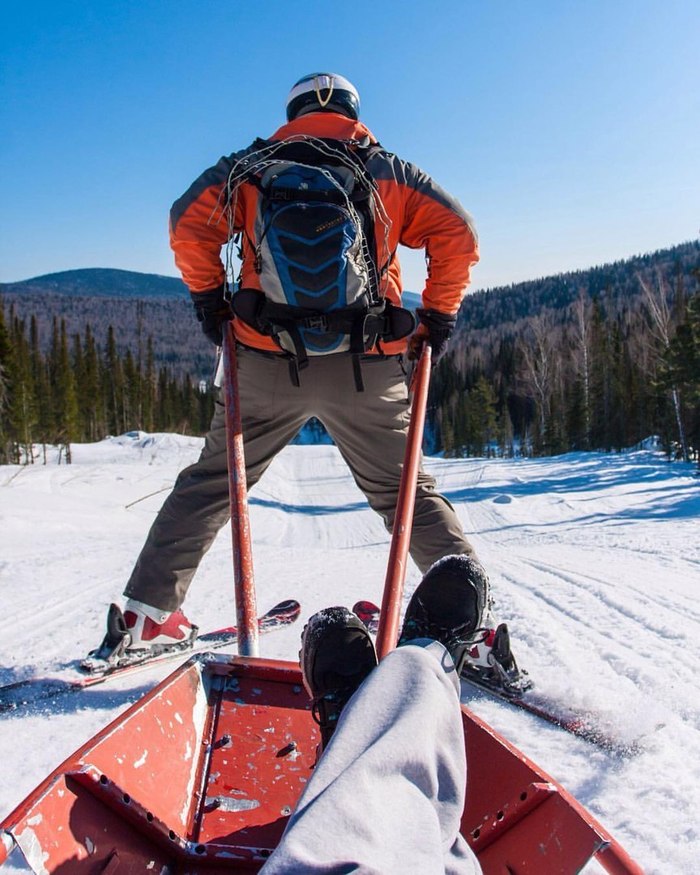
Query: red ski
583	724
35	689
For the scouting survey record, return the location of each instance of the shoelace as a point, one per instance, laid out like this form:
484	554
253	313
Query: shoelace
338	696
449	636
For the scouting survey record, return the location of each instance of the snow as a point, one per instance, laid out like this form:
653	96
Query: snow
594	562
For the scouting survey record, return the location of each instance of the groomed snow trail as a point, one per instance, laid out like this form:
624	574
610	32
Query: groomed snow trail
594	563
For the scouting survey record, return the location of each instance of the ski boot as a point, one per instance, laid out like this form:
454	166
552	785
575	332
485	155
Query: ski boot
138	633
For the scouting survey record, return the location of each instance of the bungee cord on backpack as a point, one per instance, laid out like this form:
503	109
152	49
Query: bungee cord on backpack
254	163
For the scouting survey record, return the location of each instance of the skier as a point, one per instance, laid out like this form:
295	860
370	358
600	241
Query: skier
388	792
361	398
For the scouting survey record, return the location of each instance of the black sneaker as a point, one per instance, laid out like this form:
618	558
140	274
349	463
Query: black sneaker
337	653
449	606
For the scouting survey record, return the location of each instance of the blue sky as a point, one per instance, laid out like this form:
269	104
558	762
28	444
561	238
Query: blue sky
570	130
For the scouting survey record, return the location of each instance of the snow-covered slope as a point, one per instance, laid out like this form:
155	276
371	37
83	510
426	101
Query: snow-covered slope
594	561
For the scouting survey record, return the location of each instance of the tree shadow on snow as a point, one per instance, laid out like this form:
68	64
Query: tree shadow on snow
311	509
659	496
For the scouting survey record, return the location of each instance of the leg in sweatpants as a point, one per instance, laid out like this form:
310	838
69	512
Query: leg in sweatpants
388	792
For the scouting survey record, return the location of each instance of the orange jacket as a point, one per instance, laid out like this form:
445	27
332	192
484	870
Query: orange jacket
422	215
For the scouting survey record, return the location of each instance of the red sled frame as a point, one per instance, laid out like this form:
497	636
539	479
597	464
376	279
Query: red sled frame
202	773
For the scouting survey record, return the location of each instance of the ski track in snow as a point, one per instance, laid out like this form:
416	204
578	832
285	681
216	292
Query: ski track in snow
594	563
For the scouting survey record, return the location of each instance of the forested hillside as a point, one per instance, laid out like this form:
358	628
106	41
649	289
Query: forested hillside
597	359
594	359
135	305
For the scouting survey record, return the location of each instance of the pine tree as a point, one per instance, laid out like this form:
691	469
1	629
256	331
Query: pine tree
45	428
7	446
148	389
22	408
113	386
483	419
132	393
581	408
601	386
91	399
164	411
64	394
681	368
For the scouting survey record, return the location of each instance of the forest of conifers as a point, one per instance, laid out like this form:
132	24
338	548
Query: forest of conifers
592	360
78	391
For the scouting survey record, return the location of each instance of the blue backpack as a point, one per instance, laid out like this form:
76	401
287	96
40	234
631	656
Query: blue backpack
315	251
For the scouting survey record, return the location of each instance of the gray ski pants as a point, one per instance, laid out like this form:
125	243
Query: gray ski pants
387	795
369	428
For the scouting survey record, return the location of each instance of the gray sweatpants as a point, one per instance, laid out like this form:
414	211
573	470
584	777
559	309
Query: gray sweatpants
388	793
369	428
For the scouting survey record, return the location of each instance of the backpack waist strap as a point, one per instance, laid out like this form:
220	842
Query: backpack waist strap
364	325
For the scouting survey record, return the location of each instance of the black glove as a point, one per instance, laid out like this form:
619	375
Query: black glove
212	310
434	326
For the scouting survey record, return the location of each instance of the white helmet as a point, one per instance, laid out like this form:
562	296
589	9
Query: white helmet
323	92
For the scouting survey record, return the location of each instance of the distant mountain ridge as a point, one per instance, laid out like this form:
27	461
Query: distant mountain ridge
138	305
480	308
113	283
617	282
101	282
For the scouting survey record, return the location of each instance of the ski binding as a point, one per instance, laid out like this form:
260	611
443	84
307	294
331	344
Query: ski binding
113	651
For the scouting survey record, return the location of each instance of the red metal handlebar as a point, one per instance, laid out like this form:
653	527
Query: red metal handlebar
388	632
244	581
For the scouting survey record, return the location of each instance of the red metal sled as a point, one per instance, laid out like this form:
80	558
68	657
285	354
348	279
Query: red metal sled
201	774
